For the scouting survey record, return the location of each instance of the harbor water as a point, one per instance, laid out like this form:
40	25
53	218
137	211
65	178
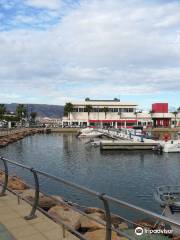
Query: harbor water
130	176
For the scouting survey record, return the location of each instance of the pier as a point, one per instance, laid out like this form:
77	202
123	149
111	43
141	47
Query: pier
127	145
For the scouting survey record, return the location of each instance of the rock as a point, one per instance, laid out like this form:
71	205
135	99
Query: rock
100	235
87	223
116	220
29	193
145	224
67	215
15	183
1	177
58	200
123	226
93	210
45	202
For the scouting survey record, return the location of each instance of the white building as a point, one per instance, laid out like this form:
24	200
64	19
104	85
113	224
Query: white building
106	113
114	113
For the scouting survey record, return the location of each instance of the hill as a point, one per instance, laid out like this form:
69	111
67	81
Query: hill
43	110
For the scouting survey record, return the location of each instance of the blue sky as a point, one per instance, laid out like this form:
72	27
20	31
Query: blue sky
64	50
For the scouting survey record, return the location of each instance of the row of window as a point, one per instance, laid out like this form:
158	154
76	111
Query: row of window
102	110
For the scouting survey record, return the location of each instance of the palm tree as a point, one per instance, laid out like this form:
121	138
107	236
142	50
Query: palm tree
178	109
120	116
33	116
21	111
88	108
2	110
151	113
175	115
68	109
136	114
105	110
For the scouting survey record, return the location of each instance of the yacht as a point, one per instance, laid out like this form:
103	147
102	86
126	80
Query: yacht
169	199
89	133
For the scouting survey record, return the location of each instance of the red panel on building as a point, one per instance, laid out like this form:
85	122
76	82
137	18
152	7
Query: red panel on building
160	107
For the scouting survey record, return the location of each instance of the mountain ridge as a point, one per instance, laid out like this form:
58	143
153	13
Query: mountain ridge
43	110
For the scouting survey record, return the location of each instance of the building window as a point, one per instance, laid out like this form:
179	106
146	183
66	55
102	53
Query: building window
81	109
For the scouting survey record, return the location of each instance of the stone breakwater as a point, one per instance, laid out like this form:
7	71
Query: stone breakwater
60	209
16	135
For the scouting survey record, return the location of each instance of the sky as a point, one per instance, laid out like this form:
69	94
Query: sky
56	51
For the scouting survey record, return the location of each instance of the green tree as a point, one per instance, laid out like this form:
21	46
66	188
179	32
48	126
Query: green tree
88	109
105	110
2	110
68	108
178	109
33	116
175	115
21	111
136	115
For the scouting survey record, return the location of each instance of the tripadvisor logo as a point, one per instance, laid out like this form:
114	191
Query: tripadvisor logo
139	231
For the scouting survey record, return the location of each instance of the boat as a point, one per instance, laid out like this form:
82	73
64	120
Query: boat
169	198
90	133
171	146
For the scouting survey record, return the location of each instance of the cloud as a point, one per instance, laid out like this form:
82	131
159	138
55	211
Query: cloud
50	4
96	49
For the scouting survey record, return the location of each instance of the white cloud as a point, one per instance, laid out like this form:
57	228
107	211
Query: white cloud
50	4
101	47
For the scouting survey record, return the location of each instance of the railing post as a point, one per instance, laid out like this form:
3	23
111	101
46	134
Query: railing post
4	187
36	199
108	216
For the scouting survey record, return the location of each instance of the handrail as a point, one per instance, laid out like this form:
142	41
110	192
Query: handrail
102	196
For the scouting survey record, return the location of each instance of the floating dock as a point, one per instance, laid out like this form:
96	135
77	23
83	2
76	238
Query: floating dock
127	145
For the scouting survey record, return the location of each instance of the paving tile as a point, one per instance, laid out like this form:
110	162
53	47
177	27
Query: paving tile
14	223
54	233
15	227
5	217
45	226
23	231
34	237
5	210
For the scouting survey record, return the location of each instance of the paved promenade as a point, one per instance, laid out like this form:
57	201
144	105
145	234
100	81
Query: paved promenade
13	226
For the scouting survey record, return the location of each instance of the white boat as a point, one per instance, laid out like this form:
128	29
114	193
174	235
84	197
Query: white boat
171	146
90	133
169	198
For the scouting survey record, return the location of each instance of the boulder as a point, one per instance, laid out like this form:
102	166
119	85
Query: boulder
45	202
15	183
93	210
123	226
67	215
58	200
100	235
88	224
1	176
29	193
145	224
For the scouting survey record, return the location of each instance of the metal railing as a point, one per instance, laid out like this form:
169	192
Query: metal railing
104	198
